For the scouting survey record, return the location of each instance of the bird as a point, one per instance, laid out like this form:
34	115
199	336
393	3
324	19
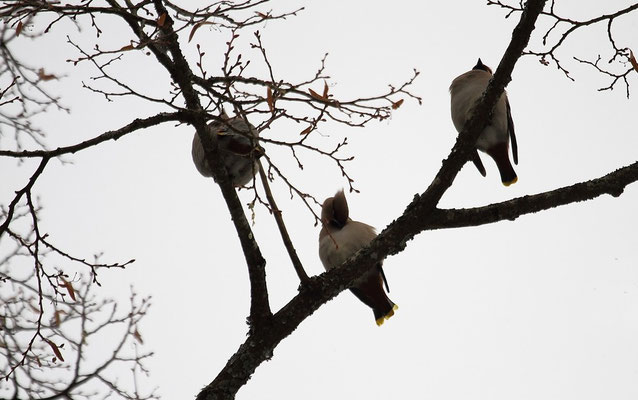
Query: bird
465	91
340	238
237	141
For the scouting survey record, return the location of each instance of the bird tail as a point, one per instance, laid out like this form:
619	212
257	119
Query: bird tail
500	154
370	291
380	315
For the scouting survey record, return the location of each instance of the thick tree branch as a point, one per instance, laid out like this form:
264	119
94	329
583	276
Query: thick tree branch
268	330
613	183
258	348
181	74
482	112
260	345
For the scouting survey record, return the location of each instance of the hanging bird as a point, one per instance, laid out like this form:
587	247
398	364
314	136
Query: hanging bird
240	151
465	91
340	238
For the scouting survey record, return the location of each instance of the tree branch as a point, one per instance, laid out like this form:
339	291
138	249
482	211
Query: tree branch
324	287
22	192
260	345
136	124
619	54
290	248
181	74
613	183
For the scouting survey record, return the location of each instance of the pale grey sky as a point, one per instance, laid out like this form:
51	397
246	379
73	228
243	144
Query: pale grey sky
543	307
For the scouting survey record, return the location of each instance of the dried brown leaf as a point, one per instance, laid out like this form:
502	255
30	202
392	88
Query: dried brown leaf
270	100
19	28
128	47
69	288
316	95
633	61
56	317
325	89
196	27
43	76
306	131
397	104
161	19
137	336
55	349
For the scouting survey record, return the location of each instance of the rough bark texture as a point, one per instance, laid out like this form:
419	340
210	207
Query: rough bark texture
613	184
260	344
268	330
182	74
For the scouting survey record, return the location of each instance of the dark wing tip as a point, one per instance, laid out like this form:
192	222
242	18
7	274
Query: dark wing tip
510	130
478	163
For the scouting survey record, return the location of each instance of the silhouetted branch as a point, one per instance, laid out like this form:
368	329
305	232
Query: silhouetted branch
22	192
267	100
181	74
615	77
613	184
49	361
276	212
259	346
135	125
554	38
27	95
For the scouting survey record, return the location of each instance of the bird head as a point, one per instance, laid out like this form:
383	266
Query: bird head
334	210
479	65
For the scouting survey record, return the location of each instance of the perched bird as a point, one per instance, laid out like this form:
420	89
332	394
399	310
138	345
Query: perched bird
340	238
465	91
240	151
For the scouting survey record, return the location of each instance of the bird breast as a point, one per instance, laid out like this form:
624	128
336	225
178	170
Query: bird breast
338	245
465	91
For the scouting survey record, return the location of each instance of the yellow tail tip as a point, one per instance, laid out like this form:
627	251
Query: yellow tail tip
381	320
513	181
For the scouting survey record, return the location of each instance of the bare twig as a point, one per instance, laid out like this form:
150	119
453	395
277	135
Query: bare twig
276	212
133	126
620	55
259	345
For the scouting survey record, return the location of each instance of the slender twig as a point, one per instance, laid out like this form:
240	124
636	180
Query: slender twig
26	189
620	55
276	212
260	345
135	125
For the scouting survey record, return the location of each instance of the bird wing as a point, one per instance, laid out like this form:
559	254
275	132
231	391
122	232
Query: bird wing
239	145
478	163
510	130
385	280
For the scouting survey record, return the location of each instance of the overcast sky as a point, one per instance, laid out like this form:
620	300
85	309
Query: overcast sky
542	307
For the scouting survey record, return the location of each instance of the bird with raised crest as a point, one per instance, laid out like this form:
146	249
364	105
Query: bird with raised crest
340	238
